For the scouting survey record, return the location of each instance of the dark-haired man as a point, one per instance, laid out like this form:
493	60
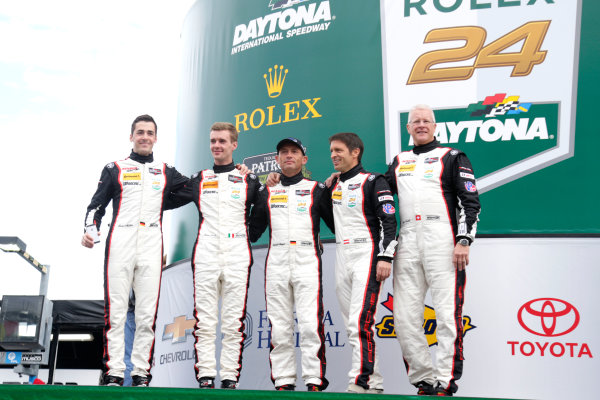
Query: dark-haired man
293	210
139	188
365	230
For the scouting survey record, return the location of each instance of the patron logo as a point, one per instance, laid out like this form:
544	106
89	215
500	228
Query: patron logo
288	22
276	114
385	328
263	164
549	317
523	136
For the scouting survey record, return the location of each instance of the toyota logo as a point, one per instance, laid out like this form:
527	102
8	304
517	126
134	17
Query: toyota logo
548	317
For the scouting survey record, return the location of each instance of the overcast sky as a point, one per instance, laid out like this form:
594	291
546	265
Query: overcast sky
73	76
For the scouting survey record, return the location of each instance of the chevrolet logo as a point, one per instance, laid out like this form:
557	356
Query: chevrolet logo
179	329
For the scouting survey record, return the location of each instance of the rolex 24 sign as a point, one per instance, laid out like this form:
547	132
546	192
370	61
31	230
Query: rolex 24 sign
500	75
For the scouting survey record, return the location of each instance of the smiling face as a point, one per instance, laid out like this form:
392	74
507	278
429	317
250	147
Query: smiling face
421	126
290	159
343	159
143	138
222	147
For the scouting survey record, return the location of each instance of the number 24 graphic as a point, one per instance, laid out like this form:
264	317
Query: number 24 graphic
532	34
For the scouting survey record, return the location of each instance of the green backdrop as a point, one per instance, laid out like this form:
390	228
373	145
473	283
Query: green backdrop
338	70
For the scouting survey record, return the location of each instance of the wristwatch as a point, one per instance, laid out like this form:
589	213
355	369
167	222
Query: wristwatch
463	242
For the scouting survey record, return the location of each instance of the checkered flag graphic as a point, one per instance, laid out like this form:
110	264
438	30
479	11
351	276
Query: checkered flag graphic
502	109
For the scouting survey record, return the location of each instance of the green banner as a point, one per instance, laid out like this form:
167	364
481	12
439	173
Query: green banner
310	68
275	69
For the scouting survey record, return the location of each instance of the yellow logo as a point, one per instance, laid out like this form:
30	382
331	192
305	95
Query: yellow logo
179	329
133	176
210	185
385	328
290	111
282	198
337	195
404	168
275	81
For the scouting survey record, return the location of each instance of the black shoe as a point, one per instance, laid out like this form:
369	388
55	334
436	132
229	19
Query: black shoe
441	392
141	381
425	389
311	387
228	384
206	382
110	380
288	387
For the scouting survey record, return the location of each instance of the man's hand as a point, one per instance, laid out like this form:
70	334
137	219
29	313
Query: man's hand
87	240
243	168
460	256
329	180
273	179
384	269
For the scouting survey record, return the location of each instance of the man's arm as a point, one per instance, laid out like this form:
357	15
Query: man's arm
383	202
469	209
97	207
390	176
468	198
259	218
180	189
332	180
325	206
386	213
273	179
253	188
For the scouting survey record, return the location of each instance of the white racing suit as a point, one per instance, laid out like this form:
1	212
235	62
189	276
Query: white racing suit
221	262
293	210
439	204
365	230
139	188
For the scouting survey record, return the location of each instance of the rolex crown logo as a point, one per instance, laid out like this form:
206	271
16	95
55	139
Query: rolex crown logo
275	81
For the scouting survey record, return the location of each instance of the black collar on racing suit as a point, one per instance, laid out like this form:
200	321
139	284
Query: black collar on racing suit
424	148
291	180
141	159
352	172
219	169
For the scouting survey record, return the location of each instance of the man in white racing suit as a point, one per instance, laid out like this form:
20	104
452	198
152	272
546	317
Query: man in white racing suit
439	208
293	209
365	231
221	258
139	188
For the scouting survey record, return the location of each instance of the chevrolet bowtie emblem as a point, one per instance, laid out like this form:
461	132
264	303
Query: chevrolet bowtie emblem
179	329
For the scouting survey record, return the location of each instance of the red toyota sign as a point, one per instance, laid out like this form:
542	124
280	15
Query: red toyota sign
548	317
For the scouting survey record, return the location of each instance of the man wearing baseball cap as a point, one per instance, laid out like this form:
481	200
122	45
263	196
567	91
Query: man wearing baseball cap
293	209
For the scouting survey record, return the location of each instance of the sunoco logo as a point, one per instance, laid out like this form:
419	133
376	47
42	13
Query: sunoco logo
549	318
283	113
385	328
303	20
522	136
